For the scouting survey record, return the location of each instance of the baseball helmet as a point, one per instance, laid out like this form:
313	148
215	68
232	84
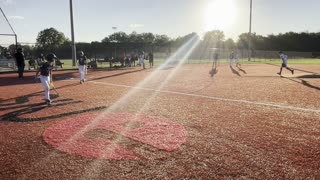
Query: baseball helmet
51	57
81	53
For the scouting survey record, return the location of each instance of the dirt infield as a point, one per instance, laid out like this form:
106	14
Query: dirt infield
172	123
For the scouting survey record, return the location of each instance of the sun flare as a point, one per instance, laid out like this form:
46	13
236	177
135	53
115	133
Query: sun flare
220	14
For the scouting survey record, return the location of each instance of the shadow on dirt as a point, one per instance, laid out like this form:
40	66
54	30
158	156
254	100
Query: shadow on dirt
115	75
213	72
25	98
311	76
303	82
314	73
241	70
234	71
29	79
299	79
32	108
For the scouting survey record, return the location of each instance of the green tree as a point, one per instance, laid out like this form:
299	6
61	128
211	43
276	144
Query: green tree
243	41
148	38
215	35
258	42
50	39
118	37
213	39
133	37
12	48
1	50
161	40
229	44
28	51
182	40
105	40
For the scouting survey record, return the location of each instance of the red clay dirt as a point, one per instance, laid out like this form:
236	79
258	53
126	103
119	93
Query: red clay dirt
246	123
81	135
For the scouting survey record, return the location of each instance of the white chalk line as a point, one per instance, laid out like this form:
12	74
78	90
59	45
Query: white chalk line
214	98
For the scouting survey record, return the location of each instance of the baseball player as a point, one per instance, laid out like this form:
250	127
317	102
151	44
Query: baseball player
40	59
151	59
215	60
19	56
214	64
45	71
231	58
82	61
284	59
237	61
141	57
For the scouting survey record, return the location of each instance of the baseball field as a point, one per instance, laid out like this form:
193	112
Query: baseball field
174	122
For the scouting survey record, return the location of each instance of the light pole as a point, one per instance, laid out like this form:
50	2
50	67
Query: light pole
73	45
249	37
115	45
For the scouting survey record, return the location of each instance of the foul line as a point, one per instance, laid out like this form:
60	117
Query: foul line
212	97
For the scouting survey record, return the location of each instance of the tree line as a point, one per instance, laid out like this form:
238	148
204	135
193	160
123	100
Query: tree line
51	40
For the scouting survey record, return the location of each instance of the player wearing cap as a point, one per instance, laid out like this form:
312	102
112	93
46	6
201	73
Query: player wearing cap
82	61
284	59
45	71
141	57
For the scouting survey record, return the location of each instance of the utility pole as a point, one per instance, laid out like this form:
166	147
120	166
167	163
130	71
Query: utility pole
249	36
115	46
73	45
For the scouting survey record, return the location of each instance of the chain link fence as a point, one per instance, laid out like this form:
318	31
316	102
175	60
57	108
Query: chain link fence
205	56
198	56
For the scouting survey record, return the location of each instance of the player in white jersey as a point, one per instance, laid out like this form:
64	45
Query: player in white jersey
284	59
141	58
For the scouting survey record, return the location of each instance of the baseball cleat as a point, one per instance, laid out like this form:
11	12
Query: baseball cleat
49	102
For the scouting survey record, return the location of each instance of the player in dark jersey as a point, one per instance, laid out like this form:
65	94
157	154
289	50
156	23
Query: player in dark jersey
45	71
82	61
151	59
19	56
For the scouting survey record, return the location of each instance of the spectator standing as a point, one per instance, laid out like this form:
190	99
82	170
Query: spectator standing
19	56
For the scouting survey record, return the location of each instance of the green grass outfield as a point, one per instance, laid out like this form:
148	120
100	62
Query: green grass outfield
68	62
257	61
278	61
245	61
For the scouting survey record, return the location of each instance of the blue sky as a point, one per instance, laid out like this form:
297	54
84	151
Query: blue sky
94	19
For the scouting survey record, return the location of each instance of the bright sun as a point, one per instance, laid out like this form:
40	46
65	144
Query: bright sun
220	14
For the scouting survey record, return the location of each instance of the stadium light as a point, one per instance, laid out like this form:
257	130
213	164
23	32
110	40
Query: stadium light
73	45
249	36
